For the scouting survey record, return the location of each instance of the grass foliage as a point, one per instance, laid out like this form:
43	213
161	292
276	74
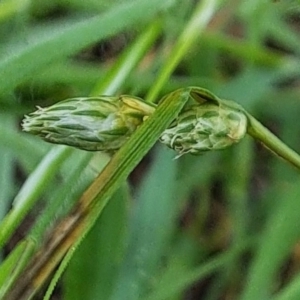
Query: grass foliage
224	225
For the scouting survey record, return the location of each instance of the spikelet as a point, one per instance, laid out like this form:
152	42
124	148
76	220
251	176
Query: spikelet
205	127
104	123
101	123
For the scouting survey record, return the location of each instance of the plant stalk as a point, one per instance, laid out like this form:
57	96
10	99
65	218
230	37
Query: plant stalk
196	26
272	142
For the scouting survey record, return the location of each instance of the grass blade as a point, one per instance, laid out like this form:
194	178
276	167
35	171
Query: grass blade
280	235
31	190
61	40
151	229
203	13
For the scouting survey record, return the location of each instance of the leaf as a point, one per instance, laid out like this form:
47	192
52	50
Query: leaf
14	264
280	235
56	41
31	190
98	257
152	225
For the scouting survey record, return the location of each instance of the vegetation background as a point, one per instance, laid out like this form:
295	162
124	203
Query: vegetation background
225	225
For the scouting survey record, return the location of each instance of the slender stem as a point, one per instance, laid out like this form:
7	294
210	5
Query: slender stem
6	171
18	259
128	61
171	289
203	14
272	142
31	190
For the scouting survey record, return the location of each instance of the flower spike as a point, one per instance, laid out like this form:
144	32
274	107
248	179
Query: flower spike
101	123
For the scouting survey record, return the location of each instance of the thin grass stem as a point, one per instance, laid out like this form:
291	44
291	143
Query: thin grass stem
272	142
203	14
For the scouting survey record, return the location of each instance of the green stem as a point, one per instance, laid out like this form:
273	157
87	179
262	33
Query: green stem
9	8
203	14
291	291
31	190
272	142
6	172
204	270
14	264
128	61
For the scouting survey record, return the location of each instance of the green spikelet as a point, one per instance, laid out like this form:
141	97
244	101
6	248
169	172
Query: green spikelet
104	123
205	127
101	123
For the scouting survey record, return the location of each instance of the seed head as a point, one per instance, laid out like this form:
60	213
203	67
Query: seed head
205	127
91	123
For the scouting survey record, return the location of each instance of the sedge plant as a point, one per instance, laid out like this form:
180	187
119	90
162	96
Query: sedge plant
188	119
105	123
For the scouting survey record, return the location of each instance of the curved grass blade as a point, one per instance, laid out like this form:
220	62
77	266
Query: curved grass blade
197	24
185	280
31	190
280	235
14	264
65	39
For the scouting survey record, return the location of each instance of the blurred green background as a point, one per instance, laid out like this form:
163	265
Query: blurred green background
225	225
